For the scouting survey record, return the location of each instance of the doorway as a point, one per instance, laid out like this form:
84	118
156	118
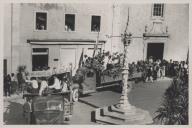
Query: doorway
155	50
5	67
67	57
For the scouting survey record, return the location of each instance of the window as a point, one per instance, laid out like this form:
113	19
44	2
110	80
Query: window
69	22
95	23
41	21
39	59
158	10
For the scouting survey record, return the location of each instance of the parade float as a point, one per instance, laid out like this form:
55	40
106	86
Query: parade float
50	107
101	71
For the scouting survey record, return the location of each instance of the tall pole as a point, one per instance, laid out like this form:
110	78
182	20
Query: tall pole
124	103
126	39
131	114
11	35
112	27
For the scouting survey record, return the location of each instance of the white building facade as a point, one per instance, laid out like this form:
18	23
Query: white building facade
54	35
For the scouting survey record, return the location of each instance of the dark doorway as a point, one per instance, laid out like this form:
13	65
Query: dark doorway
155	50
5	66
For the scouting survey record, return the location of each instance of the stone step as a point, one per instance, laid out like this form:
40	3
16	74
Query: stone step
133	116
104	116
102	119
114	115
112	108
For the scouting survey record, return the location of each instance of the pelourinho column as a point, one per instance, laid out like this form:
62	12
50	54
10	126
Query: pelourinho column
129	113
124	102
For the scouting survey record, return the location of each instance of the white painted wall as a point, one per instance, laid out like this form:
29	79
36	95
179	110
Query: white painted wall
176	18
113	21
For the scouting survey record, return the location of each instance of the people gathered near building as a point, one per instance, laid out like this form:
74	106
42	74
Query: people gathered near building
150	69
153	70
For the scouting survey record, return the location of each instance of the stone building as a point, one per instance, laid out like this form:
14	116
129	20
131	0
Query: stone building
53	35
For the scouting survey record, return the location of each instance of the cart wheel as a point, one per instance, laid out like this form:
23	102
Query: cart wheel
75	95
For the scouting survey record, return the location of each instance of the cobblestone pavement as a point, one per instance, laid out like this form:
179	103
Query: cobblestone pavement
147	96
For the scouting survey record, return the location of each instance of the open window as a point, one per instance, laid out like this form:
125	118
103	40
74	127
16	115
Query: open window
95	23
69	22
41	21
39	59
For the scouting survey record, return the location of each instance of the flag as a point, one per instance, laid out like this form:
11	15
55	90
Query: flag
81	58
187	60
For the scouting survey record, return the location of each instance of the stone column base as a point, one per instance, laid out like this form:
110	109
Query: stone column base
116	116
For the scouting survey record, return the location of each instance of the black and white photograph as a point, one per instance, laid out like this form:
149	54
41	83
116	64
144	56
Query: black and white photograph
102	63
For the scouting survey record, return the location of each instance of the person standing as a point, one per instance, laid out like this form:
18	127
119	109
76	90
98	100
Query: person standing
155	71
169	68
23	81
4	84
20	80
158	68
163	71
149	74
7	85
13	83
27	110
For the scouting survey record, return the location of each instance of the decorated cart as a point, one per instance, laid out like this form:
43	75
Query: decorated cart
94	74
51	107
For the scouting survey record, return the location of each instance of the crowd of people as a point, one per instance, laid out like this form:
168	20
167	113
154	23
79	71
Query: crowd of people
153	70
10	82
21	82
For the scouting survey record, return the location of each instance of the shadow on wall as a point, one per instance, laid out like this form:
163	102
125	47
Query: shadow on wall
13	114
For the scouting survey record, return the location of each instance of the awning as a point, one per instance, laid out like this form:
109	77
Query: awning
64	42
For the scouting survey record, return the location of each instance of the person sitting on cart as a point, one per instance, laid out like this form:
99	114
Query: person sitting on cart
65	83
34	88
43	86
56	87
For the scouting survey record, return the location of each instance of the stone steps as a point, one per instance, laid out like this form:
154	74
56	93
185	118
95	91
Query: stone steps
103	119
114	116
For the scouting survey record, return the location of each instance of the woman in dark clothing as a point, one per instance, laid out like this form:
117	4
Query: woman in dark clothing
7	86
4	84
21	81
149	74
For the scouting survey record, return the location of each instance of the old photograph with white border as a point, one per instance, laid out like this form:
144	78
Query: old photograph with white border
95	63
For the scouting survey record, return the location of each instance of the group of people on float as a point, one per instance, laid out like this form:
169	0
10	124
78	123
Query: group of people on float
34	88
54	84
32	85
